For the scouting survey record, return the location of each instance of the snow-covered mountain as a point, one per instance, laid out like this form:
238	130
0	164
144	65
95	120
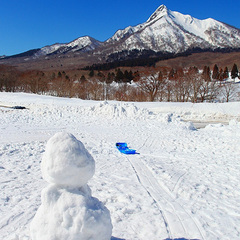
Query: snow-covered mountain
165	31
80	44
170	31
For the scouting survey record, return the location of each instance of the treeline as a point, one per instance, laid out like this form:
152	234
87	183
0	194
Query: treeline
133	58
142	84
146	58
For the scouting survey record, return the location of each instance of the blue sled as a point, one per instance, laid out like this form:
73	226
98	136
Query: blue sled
123	148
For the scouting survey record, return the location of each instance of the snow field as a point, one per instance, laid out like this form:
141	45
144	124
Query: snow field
183	184
20	184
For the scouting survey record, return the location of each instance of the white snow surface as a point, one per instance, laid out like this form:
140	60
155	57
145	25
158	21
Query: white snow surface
184	183
66	162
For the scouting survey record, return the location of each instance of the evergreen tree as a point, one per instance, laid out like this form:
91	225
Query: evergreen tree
234	72
130	75
125	76
119	76
82	79
225	73
59	75
91	73
206	74
172	74
221	74
110	77
215	74
101	76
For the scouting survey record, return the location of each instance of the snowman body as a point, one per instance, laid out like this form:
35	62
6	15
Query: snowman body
68	211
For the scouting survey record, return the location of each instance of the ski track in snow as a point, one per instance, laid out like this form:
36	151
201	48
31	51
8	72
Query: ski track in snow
183	184
176	219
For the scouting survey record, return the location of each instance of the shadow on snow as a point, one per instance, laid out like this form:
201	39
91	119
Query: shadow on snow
180	239
114	238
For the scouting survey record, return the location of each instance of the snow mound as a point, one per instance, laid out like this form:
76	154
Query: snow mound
124	110
232	129
66	161
176	121
70	214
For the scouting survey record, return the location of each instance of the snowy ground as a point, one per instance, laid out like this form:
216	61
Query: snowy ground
183	184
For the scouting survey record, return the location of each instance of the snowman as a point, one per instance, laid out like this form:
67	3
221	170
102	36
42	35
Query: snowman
68	211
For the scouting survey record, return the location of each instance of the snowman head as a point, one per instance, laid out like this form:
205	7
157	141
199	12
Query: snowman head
66	161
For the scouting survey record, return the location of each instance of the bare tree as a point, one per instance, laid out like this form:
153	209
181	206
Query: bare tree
209	91
151	82
196	81
229	90
182	88
95	89
8	78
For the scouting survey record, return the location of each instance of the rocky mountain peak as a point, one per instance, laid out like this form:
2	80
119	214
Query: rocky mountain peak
160	12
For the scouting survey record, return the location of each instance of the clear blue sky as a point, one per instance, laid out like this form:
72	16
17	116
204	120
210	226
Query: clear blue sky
30	24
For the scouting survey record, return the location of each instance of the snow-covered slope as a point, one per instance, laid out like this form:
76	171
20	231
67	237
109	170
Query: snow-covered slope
80	44
171	31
